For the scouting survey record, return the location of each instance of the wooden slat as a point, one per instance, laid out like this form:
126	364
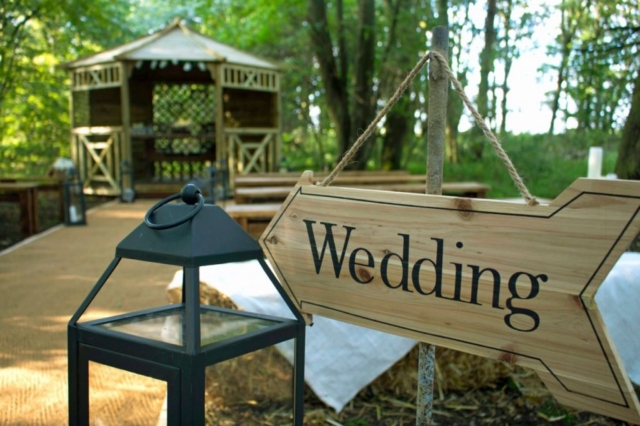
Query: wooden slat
257	211
237	76
356	178
244	195
250	182
26	195
95	77
246	214
502	280
45	183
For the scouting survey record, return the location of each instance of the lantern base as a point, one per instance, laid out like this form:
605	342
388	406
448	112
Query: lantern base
151	343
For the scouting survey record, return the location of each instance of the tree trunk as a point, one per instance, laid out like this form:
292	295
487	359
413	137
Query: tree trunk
508	60
443	13
400	55
397	124
363	106
397	129
486	67
555	104
335	83
628	165
505	92
349	120
567	31
455	106
451	126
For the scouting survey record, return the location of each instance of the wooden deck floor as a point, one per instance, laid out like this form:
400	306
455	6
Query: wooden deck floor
43	280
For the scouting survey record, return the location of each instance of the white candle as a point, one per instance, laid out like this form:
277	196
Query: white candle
595	162
73	214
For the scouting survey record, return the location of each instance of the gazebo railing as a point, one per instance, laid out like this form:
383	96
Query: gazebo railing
251	150
98	152
174	155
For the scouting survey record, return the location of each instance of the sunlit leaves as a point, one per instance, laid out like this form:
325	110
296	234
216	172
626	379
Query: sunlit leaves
599	42
36	36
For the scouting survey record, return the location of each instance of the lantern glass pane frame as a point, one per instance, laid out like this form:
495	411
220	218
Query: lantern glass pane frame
208	238
99	334
75	208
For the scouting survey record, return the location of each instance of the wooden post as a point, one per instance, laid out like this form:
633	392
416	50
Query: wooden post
127	152
437	114
221	144
275	165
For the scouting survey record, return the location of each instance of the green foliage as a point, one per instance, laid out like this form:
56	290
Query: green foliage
547	164
35	37
552	412
599	44
357	422
316	153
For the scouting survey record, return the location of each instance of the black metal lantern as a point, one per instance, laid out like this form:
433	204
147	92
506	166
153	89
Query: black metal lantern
175	343
74	203
127	191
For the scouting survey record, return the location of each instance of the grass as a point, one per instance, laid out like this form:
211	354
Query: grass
548	164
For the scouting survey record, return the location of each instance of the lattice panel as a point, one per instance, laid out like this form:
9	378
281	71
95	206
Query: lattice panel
184	108
179	171
184	145
250	78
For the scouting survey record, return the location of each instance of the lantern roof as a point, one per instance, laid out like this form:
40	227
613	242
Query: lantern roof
175	42
211	237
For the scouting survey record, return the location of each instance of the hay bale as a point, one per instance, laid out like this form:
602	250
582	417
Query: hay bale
208	296
239	383
455	371
260	381
266	376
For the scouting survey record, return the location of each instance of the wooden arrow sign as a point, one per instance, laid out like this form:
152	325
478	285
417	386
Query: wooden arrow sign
497	279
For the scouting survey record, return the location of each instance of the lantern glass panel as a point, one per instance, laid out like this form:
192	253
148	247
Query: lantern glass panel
103	306
104	409
255	388
168	326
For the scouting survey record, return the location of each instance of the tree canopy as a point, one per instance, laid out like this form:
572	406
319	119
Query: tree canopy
343	60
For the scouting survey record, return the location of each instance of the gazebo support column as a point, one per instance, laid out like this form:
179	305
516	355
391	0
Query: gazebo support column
125	102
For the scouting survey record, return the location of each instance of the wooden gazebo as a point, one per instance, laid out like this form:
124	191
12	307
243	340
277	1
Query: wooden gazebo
169	105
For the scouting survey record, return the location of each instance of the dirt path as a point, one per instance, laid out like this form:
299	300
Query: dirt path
42	283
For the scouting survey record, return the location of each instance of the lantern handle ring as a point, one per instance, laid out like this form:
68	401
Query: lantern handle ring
198	207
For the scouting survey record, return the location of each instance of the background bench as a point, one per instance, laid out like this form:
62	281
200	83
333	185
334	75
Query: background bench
259	197
248	195
345	177
26	195
26	191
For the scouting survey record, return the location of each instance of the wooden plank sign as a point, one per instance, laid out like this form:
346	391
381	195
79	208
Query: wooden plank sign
497	279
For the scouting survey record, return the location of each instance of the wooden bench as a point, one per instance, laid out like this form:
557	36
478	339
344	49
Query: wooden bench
345	178
253	218
26	195
259	197
45	183
250	195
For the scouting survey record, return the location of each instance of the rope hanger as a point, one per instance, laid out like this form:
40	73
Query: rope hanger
517	180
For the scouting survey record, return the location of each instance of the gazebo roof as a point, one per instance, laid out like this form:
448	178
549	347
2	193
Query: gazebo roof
174	42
